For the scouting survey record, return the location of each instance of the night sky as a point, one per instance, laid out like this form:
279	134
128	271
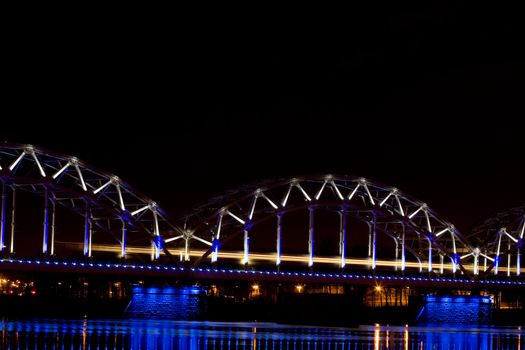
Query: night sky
422	98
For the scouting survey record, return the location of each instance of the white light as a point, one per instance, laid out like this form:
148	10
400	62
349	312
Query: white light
285	199
15	163
57	174
101	187
168	240
139	210
318	195
386	198
252	208
441	232
82	183
417	211
202	240
274	206
353	192
235	217
306	196
122	206
369	195
336	189
42	172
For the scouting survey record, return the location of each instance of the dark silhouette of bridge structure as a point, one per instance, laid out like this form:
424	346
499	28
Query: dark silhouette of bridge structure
59	214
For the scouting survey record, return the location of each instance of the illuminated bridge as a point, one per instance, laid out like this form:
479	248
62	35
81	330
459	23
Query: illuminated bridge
59	214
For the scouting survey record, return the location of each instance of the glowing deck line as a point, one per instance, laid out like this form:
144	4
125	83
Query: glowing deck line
270	257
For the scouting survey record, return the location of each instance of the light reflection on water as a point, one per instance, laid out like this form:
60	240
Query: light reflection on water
160	334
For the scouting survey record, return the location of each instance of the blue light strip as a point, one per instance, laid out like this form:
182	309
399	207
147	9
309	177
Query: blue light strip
218	271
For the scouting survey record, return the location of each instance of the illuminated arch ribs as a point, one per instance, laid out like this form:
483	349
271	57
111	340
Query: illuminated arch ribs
416	230
107	203
499	241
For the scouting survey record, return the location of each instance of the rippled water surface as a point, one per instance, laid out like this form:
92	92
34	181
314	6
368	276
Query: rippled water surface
157	334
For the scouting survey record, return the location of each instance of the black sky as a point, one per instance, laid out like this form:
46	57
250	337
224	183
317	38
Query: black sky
424	98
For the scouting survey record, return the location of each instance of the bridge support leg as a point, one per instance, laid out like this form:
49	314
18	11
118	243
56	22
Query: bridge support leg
342	236
476	264
246	254
441	263
396	254
215	246
155	246
508	259
403	260
45	239
88	232
485	263
187	249
311	237
2	219
374	237
13	212
52	243
429	256
278	239
123	240
518	262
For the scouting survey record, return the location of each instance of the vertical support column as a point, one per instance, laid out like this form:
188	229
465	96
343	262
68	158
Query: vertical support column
497	258
518	262
155	246
485	262
52	245
187	249
441	263
508	258
429	256
123	240
311	212
403	260
215	246
476	264
87	232
397	254
369	241
13	212
374	237
246	254
342	236
45	239
278	239
2	219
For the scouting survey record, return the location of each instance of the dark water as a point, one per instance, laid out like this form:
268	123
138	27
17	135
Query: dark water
156	334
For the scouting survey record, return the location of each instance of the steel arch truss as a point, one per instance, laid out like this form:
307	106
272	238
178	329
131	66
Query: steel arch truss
415	228
106	202
499	241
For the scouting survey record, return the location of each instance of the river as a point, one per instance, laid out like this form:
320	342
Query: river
163	334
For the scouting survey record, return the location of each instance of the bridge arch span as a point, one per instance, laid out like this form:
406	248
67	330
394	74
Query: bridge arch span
414	227
498	242
107	203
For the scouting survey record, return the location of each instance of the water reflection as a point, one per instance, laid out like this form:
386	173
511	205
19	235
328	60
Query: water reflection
158	334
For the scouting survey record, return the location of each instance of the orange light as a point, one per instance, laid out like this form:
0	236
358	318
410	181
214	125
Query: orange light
255	287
